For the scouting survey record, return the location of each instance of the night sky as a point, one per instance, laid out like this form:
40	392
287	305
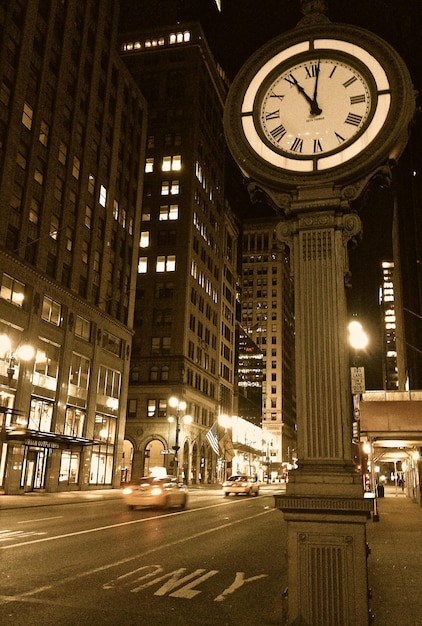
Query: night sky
245	25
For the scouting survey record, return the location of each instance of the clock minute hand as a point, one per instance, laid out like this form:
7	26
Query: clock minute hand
315	110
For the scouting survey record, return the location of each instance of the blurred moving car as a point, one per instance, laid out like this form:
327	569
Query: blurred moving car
155	492
240	483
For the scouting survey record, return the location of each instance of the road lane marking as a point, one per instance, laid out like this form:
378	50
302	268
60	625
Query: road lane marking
155	574
103	568
40	519
238	582
100	528
8	535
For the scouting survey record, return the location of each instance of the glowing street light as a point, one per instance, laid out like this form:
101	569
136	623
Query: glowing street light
180	407
358	338
23	352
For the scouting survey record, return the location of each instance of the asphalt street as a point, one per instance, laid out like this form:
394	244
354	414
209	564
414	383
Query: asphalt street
221	561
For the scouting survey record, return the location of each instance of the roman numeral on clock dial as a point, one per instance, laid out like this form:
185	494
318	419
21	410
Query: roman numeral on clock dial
278	132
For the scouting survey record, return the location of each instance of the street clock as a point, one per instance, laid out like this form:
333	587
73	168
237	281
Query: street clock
325	103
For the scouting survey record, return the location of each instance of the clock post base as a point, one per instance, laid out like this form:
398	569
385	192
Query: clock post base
327	560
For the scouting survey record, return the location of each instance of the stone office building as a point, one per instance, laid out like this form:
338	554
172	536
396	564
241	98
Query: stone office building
72	136
187	287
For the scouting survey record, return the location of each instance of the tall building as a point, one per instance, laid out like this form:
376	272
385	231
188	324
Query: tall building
267	317
72	128
394	353
187	285
250	378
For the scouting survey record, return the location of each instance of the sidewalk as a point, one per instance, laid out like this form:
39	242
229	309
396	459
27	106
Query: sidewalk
395	562
48	499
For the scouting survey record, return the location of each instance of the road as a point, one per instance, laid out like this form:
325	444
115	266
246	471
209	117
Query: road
220	561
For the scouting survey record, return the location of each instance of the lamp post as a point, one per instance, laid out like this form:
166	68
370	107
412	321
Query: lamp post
180	407
23	352
226	422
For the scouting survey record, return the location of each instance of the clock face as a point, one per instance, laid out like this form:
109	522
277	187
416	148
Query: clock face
314	107
321	105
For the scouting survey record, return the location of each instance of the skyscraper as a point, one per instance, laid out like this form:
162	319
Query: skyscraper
72	127
267	317
187	286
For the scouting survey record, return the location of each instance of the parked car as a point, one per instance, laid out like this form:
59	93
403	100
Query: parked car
155	492
240	483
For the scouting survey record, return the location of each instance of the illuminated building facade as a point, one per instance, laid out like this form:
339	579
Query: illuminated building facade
389	324
250	378
72	125
187	285
267	317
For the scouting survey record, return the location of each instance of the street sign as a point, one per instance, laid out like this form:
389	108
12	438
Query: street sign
166	451
358	380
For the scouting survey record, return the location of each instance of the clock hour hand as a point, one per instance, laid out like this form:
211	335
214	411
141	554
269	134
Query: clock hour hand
303	92
315	110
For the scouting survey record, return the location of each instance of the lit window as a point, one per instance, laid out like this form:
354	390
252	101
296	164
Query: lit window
69	238
79	371
146	217
198	171
54	226
27	115
144	241
143	265
174	188
149	166
166	263
169	212
116	210
91	183
34	211
44	130
12	290
103	196
76	167
166	167
88	216
38	176
172	163
51	311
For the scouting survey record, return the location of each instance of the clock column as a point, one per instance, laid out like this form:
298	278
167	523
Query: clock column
318	243
324	507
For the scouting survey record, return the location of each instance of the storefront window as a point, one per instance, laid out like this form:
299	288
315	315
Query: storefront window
101	465
69	467
74	422
40	415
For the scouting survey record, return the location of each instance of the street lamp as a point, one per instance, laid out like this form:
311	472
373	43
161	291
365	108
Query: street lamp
226	422
180	406
358	338
268	443
23	352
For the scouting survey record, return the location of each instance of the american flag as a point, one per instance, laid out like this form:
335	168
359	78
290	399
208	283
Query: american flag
213	439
